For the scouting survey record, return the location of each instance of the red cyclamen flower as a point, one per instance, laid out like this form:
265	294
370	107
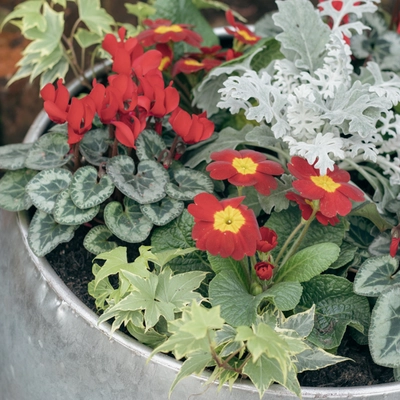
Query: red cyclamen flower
245	168
240	32
225	227
192	129
332	190
163	31
264	270
56	101
394	244
269	240
306	207
80	117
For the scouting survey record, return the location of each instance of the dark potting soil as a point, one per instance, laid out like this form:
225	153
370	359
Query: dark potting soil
73	264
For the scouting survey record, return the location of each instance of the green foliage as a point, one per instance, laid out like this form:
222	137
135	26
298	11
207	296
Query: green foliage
96	240
163	212
12	156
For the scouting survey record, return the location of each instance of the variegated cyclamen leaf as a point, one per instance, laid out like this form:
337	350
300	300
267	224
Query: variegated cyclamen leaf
149	145
45	234
127	223
93	146
13	196
375	275
96	240
67	213
13	156
147	186
384	337
189	184
86	191
49	151
165	211
44	188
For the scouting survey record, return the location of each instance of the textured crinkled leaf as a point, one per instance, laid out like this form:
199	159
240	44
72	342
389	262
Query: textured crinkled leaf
95	18
93	146
375	275
67	213
189	184
44	188
12	156
347	254
164	212
149	145
285	295
87	191
299	41
96	240
49	151
178	235
276	199
147	186
384	337
336	307
13	196
370	211
251	199
127	222
307	263
45	234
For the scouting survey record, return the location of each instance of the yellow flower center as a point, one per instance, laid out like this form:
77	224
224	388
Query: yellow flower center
245	166
325	182
230	219
193	63
247	36
164	62
164	29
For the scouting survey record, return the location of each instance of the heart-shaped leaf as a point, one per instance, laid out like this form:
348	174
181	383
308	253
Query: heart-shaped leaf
93	145
13	156
67	213
45	234
44	188
147	186
49	151
189	184
149	145
13	196
128	223
86	192
96	240
163	212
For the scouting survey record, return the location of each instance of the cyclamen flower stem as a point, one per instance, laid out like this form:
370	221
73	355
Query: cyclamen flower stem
77	158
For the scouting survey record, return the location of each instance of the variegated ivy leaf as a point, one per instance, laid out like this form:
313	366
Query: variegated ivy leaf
67	213
95	17
45	234
96	240
49	151
13	156
149	145
44	188
93	145
86	191
29	12
163	212
384	338
147	186
189	184
13	196
127	223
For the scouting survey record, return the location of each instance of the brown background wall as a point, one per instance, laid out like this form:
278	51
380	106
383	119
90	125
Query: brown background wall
20	103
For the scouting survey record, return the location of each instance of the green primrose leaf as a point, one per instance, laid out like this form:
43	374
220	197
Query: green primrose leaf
189	184
96	240
149	145
93	145
285	295
277	200
127	222
307	263
13	196
147	186
347	254
45	234
67	213
87	190
384	339
12	156
163	212
370	211
95	18
336	307
45	187
376	275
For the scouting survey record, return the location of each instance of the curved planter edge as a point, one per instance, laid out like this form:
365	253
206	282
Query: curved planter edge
52	347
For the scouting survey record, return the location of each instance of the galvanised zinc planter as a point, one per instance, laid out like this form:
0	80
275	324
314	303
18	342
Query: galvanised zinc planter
52	348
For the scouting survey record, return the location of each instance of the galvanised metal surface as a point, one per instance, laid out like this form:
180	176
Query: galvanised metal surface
51	347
